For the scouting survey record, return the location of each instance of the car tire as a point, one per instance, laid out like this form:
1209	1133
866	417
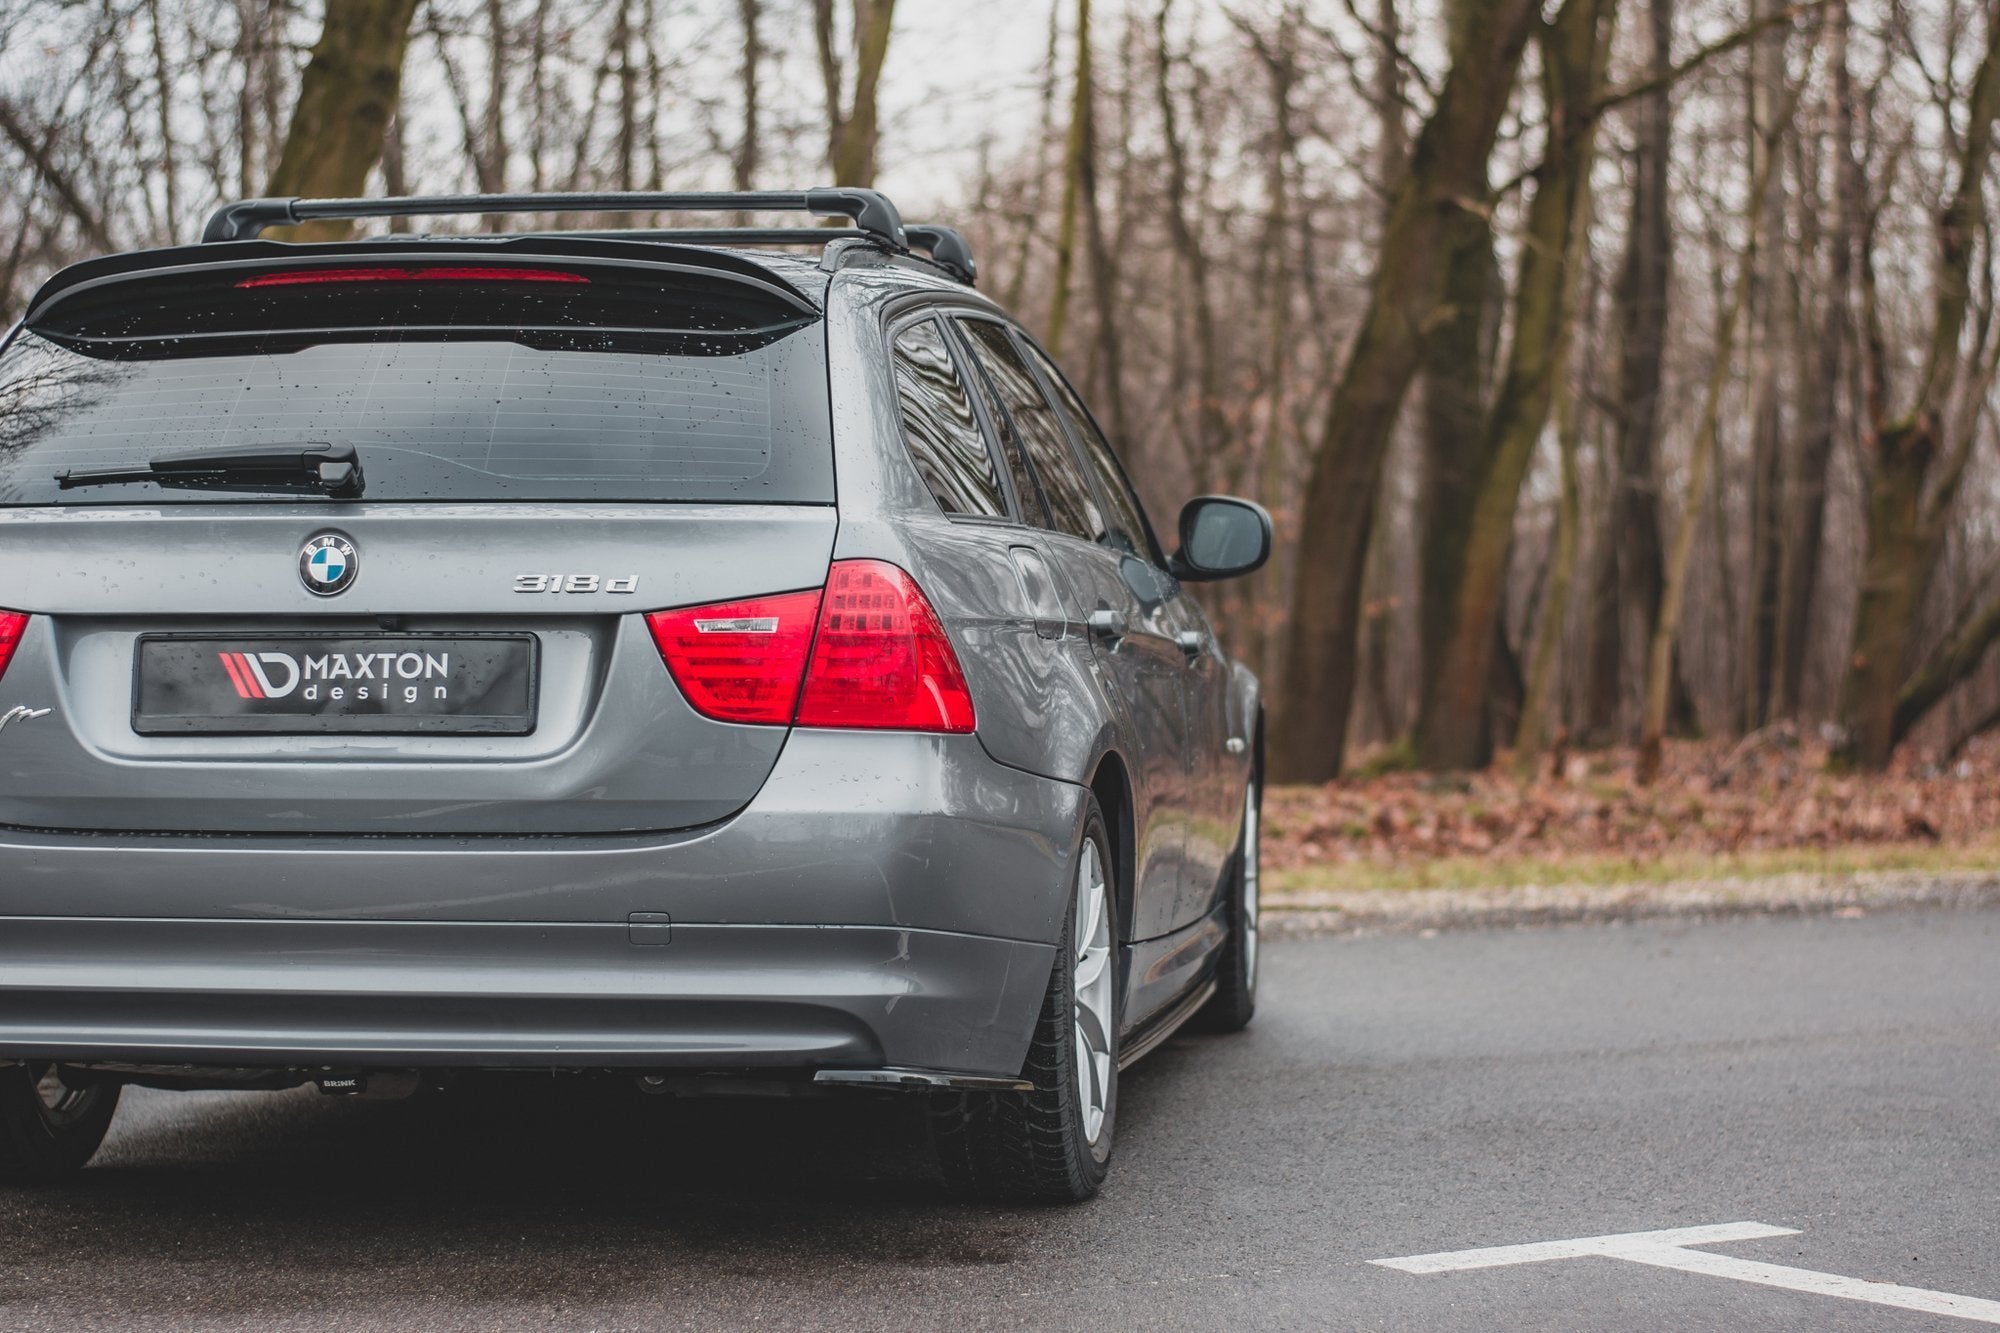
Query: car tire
1052	1145
49	1127
1235	1000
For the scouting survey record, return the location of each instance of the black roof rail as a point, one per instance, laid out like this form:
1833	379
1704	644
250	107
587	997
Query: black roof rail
871	210
723	235
949	250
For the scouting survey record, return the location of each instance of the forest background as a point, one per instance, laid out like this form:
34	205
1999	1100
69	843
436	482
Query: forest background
1620	373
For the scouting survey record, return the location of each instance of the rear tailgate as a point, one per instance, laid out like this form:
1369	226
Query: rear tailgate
469	655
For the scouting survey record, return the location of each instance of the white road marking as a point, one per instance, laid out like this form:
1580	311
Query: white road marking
1501	1255
1667	1249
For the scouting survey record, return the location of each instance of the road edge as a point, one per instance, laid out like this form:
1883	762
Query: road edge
1403	911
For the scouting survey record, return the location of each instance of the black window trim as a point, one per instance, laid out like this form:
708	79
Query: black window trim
903	318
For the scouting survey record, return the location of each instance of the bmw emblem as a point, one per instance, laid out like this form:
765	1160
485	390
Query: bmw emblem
328	563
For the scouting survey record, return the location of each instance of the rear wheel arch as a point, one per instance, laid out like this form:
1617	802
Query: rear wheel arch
1111	784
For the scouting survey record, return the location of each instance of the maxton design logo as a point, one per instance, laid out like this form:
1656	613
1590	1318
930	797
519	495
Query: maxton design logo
358	676
247	674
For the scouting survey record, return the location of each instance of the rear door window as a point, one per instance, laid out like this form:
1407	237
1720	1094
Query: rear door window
1027	491
581	382
940	426
1072	506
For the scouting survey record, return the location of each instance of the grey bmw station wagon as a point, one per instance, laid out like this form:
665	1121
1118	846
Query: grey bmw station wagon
702	657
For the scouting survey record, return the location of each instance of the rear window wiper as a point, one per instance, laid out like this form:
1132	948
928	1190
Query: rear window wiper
330	469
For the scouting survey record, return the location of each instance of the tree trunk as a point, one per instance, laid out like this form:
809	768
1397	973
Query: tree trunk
1539	704
1445	175
749	151
628	97
1276	285
1211	425
1453	728
1767	321
851	115
1103	279
1627	597
1955	660
1916	471
348	92
493	128
1893	578
163	80
1457	381
1017	277
1824	372
1760	602
1079	147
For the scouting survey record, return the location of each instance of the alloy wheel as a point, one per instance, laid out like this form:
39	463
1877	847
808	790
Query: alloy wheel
1090	936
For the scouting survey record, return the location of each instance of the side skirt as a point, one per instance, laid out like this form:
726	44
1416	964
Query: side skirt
1165	1025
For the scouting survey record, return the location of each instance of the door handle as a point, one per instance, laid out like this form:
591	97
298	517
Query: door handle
1190	642
1107	624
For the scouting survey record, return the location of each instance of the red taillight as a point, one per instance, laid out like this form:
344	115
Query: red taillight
13	625
881	658
306	277
740	661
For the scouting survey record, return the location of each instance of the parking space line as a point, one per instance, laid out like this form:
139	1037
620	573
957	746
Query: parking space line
1500	1255
1668	1249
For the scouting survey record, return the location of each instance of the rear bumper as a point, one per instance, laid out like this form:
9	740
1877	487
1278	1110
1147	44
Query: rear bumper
851	829
400	994
887	899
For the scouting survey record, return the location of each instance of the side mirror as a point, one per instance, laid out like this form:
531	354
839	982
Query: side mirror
1221	538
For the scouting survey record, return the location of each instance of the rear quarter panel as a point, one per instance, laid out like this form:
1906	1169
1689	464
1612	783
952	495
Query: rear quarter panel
1041	703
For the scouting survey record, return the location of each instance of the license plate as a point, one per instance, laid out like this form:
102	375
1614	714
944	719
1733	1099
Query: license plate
398	684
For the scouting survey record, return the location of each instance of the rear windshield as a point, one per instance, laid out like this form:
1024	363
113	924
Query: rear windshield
461	391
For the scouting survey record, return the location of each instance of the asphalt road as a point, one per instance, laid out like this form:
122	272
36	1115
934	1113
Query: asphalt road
1397	1096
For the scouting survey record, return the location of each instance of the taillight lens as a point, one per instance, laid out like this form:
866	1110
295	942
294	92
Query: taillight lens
13	624
881	658
740	661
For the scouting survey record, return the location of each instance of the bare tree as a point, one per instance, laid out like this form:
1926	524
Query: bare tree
1918	456
347	94
851	117
745	160
1453	729
1446	174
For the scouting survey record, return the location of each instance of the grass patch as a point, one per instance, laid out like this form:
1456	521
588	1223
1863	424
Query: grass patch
1483	872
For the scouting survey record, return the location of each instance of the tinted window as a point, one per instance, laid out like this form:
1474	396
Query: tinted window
1128	515
1027	493
433	420
940	427
1072	507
